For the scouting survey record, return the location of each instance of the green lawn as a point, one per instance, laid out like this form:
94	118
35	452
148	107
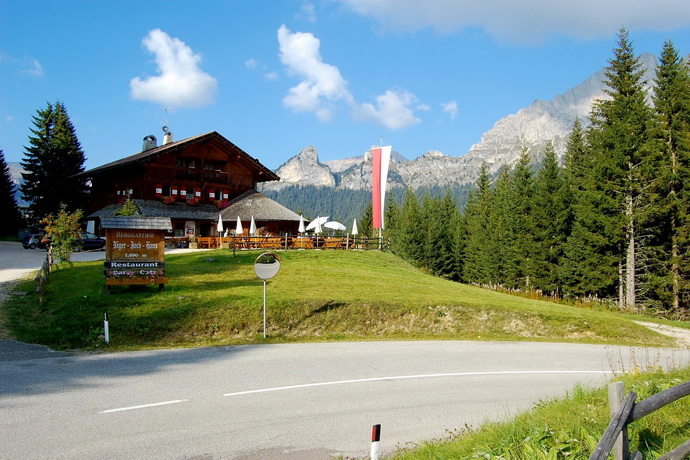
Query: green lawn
215	298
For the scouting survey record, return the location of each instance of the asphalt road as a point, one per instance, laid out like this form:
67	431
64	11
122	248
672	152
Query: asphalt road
290	401
306	401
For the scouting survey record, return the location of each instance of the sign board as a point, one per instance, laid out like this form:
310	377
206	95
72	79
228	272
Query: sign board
135	250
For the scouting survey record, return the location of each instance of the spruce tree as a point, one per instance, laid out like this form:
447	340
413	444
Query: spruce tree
499	239
669	283
8	204
551	220
52	159
476	261
620	137
520	268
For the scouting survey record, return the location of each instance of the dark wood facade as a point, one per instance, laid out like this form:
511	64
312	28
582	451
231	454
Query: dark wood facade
205	169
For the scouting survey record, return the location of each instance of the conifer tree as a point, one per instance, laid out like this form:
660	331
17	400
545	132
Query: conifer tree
520	268
551	220
499	239
620	137
476	261
8	204
670	283
411	228
52	159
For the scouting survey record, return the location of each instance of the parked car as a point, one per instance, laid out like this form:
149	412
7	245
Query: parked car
86	241
32	240
89	241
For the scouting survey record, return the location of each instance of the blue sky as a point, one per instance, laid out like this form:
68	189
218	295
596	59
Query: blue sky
274	76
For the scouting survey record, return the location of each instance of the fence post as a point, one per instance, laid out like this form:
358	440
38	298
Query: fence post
620	448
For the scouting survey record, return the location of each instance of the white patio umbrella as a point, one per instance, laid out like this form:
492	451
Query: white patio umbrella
318	221
238	228
317	228
354	227
301	224
333	225
219	225
252	227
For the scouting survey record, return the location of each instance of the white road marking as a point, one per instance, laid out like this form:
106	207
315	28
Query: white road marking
407	377
143	406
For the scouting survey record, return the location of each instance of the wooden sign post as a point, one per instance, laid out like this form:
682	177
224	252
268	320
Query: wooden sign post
135	250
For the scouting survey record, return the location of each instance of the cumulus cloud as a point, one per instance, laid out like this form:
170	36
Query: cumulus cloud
451	108
251	63
322	89
526	21
392	109
181	82
322	84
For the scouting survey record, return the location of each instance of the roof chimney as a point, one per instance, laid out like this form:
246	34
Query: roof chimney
167	137
150	142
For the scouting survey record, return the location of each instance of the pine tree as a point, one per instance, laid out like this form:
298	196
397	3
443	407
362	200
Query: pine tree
50	163
620	137
669	284
411	228
8	204
551	220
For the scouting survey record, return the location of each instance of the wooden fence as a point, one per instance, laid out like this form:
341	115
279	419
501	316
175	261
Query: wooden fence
42	276
285	242
626	412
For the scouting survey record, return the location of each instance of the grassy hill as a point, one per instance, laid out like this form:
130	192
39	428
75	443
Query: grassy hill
215	298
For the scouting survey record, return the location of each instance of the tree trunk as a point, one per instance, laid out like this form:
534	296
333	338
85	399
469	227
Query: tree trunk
630	268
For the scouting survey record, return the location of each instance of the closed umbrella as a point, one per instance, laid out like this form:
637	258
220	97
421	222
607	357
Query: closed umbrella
219	229
354	227
238	228
252	227
301	224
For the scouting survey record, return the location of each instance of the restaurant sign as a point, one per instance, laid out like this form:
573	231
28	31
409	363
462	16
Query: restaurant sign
135	250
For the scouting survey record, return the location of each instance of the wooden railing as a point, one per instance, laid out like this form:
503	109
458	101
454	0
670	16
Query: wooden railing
616	435
287	242
42	276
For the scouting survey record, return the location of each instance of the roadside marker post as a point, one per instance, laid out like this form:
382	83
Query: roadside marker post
106	328
375	442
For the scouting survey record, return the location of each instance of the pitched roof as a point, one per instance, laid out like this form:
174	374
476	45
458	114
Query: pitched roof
251	203
137	222
151	208
173	146
258	205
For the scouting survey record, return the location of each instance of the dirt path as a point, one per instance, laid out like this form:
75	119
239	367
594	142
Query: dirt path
681	335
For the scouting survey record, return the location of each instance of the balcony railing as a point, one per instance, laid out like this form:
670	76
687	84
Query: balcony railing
202	175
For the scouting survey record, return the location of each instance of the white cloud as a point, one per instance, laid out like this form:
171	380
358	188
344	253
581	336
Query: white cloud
451	108
251	63
322	89
181	82
270	76
321	86
25	66
392	109
307	12
527	21
33	68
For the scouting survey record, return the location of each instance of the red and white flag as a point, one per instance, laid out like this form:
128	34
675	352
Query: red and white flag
381	157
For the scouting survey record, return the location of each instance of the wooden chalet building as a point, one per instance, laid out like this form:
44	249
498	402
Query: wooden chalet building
192	182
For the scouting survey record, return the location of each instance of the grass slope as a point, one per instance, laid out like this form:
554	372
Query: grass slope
570	427
214	298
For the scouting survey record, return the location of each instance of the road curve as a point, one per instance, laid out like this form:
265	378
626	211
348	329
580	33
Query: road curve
288	401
